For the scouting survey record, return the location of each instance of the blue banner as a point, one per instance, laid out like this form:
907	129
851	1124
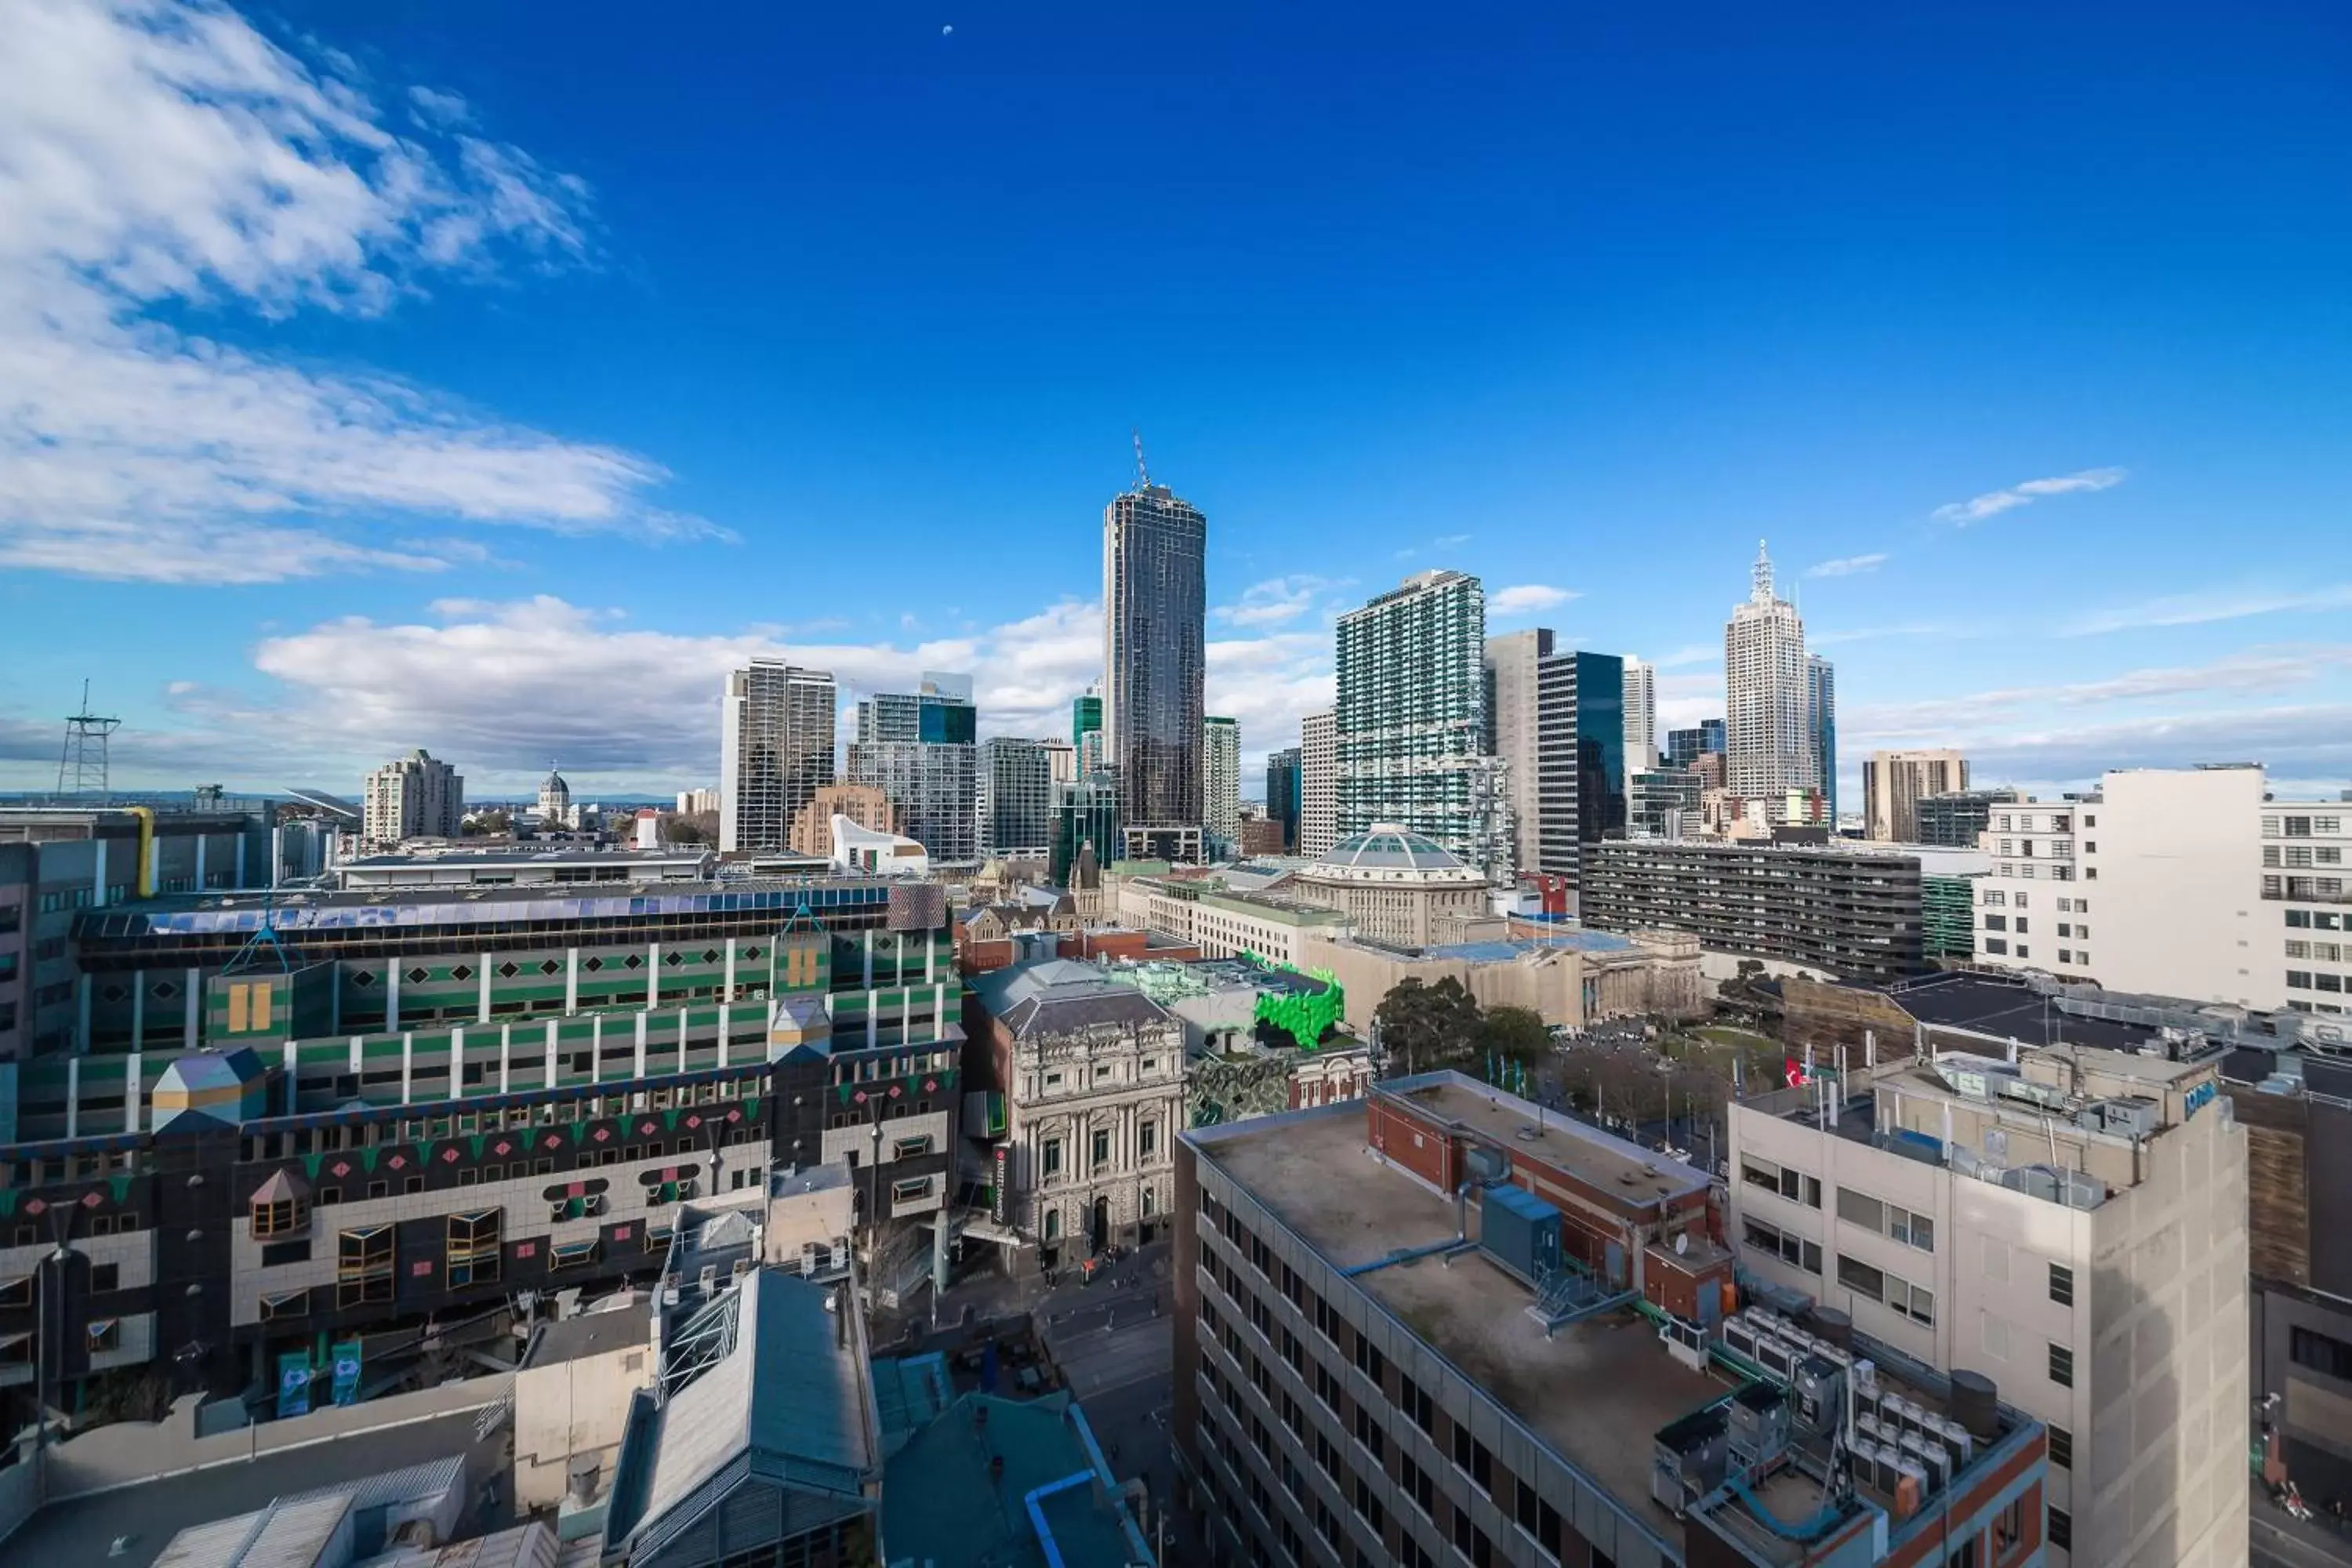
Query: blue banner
294	1383
347	1373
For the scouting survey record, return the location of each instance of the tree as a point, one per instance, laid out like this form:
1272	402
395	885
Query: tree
1427	1026
1515	1034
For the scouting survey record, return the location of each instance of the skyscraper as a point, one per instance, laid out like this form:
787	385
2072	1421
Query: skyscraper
1769	744
415	796
1685	747
918	748
1641	716
775	751
1085	817
1319	784
1154	660
1580	758
1282	799
1510	666
1221	777
1895	782
1016	796
1085	716
1821	702
1411	719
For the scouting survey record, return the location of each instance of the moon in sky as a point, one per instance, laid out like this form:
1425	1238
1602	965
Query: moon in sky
946	30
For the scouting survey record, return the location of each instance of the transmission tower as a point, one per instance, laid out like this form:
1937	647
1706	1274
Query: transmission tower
83	761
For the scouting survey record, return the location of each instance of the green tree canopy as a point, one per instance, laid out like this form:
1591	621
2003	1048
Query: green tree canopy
1515	1034
1424	1027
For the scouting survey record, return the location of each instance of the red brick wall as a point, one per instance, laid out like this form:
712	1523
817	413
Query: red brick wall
1411	1142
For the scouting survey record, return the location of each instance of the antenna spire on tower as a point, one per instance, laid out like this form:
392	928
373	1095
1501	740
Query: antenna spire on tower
83	761
1761	575
1142	475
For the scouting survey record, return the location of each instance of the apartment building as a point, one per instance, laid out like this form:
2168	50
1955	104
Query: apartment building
2069	1221
1318	783
1894	783
1438	1327
2187	882
414	796
1851	914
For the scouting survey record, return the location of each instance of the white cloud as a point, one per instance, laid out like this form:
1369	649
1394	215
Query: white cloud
1694	653
1525	596
156	156
1847	566
2200	609
1986	717
1994	502
1275	601
1872	633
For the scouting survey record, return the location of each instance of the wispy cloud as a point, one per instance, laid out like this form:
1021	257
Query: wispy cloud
1275	601
166	162
1993	504
1847	566
2198	609
1522	597
1873	634
2261	670
1441	543
1696	653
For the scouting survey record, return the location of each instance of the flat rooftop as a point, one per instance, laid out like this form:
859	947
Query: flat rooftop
1593	1393
1611	1163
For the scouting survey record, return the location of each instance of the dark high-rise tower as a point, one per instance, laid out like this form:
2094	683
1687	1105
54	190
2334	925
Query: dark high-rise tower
1155	595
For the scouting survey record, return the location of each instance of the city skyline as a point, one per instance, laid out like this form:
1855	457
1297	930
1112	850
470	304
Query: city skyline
505	482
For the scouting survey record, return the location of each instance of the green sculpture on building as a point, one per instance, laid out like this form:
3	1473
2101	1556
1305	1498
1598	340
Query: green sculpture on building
1305	1017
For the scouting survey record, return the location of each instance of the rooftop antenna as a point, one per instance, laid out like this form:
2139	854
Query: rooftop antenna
83	760
1142	475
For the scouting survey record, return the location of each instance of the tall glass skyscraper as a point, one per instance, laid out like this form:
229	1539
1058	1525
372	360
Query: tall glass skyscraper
1411	725
1155	600
918	748
1820	700
1580	758
1282	792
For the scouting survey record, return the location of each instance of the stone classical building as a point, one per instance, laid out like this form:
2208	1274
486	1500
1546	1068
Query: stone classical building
1092	1075
1397	887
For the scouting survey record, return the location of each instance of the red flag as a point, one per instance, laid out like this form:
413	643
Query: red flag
1796	1076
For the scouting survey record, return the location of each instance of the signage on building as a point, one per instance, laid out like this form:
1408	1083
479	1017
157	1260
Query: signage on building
293	1383
1000	1201
346	1362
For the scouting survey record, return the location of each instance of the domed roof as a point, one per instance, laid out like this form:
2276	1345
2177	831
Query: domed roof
1389	846
553	782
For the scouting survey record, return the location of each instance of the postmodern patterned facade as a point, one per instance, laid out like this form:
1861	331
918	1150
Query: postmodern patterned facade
417	1105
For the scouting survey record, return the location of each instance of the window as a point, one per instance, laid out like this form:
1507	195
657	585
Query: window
363	1267
1995	944
104	1334
1369	1433
1050	1153
1793	1250
2061	1447
1147	1139
2062	1284
285	1304
1102	1148
2062	1367
1913	1301
1887	1219
105	1276
2320	1352
1794	1185
1995	922
913	1148
574	1254
281	1218
2062	1529
472	1247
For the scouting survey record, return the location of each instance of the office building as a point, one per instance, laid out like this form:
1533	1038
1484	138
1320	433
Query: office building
1154	661
1820	705
1682	748
1958	820
1016	797
1086	715
2186	882
2071	1223
1259	835
1895	782
419	1103
1580	758
1511	660
1318	783
918	749
413	797
1220	778
1283	802
1486	1346
1836	909
776	750
1769	743
1641	716
1061	759
864	804
1411	725
1663	803
1086	823
1092	1073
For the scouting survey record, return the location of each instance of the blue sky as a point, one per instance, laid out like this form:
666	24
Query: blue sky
490	378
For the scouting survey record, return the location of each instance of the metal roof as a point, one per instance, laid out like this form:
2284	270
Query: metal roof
1390	846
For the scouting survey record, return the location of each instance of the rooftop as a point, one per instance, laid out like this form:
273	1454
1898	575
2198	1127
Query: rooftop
1059	996
622	1326
1388	846
1611	1163
457	855
944	1500
1592	1393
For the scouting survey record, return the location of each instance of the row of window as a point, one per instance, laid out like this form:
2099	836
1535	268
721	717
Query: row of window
1049	1150
2300	827
2315	920
2024	871
2303	887
2297	856
2313	980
